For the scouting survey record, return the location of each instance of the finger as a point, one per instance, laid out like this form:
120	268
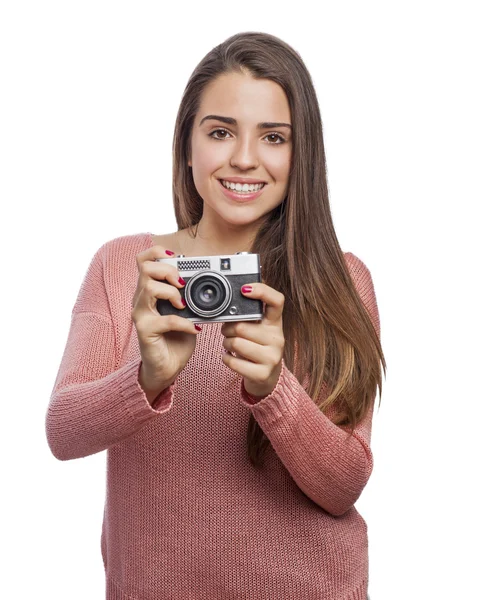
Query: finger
151	265
150	325
274	300
243	348
251	351
249	330
160	271
151	254
152	270
157	290
255	372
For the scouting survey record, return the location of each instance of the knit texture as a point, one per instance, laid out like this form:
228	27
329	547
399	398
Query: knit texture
186	514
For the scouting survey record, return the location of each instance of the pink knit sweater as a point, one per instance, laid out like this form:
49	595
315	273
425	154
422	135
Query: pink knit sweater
186	514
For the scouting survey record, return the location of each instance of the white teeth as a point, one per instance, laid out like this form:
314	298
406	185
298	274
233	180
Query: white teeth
239	187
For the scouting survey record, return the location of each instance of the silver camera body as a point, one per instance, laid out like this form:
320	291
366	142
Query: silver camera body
212	290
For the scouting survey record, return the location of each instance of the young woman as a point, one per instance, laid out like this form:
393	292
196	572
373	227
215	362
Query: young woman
237	450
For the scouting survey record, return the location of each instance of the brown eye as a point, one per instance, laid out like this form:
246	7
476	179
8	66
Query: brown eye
216	131
277	135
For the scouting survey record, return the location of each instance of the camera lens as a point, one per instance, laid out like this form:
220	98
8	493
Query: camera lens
208	294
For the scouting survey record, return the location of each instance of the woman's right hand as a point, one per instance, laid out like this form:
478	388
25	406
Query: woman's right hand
166	342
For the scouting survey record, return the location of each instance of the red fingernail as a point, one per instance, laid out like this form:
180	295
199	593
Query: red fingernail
197	327
169	252
183	302
181	280
246	288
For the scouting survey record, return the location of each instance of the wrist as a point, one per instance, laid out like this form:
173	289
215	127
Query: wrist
257	392
151	387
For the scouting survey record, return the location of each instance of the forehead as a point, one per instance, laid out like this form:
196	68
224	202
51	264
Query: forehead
245	98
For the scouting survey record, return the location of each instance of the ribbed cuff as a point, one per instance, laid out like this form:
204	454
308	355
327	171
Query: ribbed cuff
282	399
247	397
135	397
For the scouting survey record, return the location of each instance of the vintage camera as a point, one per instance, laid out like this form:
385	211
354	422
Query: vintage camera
212	290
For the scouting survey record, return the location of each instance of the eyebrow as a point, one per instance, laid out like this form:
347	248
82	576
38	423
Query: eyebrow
231	121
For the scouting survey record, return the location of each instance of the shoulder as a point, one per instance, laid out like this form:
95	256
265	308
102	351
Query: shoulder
121	249
112	271
356	267
119	254
363	282
361	277
135	242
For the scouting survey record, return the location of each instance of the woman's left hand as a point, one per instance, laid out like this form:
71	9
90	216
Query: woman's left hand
259	345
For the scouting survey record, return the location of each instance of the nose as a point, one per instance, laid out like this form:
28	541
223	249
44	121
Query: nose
244	155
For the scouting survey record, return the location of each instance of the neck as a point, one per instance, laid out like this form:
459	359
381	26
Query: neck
202	241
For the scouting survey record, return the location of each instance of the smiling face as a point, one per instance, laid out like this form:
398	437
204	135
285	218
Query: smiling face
237	146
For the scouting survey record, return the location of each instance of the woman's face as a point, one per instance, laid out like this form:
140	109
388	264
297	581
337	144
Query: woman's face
240	148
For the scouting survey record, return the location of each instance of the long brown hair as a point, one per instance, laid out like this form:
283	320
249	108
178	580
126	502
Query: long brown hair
325	324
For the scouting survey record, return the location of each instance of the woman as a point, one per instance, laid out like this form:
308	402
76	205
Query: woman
235	450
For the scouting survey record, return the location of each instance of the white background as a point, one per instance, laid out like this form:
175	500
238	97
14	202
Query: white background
89	95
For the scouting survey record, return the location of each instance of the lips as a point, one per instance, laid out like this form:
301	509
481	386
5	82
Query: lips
258	183
241	197
241	180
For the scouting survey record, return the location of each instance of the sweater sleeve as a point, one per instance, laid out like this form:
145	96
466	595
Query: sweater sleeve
330	467
93	405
